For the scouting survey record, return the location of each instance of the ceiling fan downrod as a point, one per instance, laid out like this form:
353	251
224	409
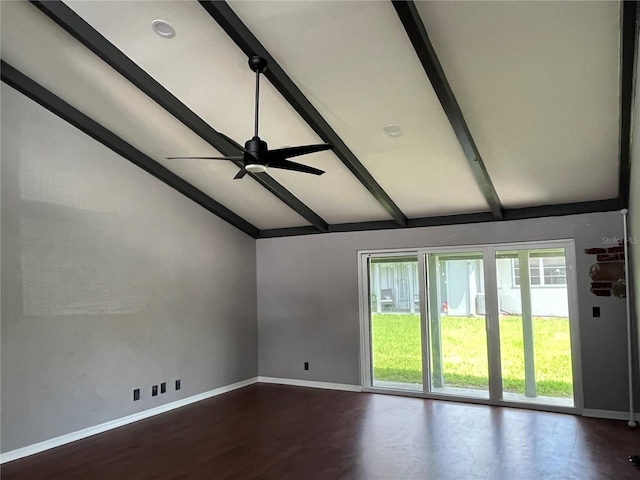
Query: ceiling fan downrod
258	65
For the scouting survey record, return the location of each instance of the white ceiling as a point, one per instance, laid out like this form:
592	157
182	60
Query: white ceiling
537	82
538	85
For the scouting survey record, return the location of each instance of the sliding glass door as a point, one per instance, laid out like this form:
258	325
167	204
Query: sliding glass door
396	334
457	328
495	323
535	339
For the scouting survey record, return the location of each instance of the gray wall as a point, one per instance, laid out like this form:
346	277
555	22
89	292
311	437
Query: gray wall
111	281
308	299
634	224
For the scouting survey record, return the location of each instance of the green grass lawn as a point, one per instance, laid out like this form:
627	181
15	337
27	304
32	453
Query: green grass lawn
397	352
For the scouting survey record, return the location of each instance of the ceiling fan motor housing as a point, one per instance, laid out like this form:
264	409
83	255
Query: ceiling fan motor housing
255	146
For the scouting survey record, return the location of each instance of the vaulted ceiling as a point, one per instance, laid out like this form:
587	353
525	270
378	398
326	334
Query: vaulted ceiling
505	109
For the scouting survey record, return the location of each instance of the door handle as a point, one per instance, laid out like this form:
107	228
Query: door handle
487	322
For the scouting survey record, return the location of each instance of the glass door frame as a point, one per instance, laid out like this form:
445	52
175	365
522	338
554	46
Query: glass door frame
492	319
491	296
425	315
366	351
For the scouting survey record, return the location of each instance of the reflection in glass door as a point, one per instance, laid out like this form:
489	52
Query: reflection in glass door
396	339
535	341
457	327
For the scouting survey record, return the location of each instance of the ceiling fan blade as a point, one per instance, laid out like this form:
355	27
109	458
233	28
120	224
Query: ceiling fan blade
288	152
241	173
240	157
298	167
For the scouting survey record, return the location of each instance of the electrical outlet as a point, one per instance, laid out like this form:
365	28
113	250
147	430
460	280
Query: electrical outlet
136	394
306	365
177	384
154	390
163	387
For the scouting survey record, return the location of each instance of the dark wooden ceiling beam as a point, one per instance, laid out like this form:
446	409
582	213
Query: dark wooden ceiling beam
526	213
62	109
417	33
250	45
628	47
66	18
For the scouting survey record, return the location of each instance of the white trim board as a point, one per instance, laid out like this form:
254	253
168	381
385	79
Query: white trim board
309	383
609	414
119	422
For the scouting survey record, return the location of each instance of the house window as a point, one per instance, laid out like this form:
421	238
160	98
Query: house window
543	271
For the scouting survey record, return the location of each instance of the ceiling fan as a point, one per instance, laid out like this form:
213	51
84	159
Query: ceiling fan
256	156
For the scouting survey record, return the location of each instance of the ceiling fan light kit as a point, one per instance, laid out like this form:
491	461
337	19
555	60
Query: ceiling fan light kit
257	157
255	168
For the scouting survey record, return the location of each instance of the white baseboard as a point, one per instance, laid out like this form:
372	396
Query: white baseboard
309	383
609	414
103	427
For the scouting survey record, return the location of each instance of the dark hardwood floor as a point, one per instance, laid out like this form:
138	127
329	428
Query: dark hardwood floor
279	432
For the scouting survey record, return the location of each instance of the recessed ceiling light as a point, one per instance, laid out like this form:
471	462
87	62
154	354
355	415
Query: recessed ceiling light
163	29
393	130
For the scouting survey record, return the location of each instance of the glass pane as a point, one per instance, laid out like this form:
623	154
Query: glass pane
535	345
457	329
534	273
555	272
395	323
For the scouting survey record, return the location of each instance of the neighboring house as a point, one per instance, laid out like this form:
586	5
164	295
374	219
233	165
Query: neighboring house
461	287
548	286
